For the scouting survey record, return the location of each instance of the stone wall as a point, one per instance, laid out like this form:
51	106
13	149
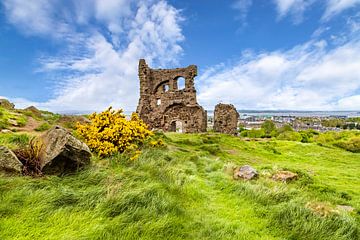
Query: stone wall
225	119
164	105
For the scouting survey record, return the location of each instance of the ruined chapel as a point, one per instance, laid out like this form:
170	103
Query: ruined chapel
168	99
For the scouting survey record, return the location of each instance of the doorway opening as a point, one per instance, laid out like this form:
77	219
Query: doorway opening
177	126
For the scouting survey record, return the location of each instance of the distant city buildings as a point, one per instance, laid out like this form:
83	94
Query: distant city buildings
303	122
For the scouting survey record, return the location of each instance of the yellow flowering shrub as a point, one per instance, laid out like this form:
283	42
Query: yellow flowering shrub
110	132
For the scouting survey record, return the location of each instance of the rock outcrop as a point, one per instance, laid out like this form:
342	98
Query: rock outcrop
245	172
4	103
226	119
9	163
61	152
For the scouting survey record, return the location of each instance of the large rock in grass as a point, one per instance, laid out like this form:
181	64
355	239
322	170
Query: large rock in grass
9	163
61	152
245	172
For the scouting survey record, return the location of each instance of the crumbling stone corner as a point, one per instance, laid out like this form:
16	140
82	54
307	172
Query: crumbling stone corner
226	119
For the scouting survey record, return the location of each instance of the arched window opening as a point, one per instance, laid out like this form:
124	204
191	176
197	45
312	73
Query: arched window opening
166	87
158	102
181	83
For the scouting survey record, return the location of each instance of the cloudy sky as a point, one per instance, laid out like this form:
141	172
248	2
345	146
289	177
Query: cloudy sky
65	55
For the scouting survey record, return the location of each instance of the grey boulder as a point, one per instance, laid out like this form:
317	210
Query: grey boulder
245	172
61	152
9	163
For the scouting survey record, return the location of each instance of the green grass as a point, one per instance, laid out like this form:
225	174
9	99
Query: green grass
6	116
14	140
187	192
43	127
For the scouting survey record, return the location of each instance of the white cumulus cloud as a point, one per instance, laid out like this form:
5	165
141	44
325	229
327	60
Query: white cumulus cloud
335	7
98	65
308	76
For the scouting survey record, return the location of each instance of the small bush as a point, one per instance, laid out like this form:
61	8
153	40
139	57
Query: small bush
290	136
43	127
29	156
253	133
110	132
269	128
352	145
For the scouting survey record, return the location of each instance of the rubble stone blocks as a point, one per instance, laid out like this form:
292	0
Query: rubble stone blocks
163	104
225	119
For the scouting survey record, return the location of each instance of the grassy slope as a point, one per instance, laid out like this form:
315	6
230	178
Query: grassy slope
184	192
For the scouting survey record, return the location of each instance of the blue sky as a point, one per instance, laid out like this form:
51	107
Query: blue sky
65	55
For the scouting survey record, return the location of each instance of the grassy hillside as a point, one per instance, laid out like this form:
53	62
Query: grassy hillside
186	191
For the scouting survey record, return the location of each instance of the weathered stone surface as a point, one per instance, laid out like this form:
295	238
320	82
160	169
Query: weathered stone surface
163	105
226	119
62	152
9	163
284	176
6	104
246	172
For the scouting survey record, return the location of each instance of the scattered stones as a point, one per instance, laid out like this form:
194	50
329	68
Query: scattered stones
4	103
13	122
165	104
345	208
61	152
6	131
284	176
226	119
246	172
9	163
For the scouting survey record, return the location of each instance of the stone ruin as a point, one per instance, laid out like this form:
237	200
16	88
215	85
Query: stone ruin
226	119
167	104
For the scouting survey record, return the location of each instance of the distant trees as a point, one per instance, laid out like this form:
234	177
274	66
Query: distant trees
269	128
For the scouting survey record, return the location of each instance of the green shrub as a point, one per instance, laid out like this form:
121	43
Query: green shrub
269	127
352	145
253	133
307	136
285	128
290	136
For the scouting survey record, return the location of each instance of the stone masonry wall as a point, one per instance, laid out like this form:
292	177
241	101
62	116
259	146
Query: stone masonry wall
163	105
225	119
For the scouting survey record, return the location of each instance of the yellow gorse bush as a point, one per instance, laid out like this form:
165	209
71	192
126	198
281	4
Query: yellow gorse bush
110	132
